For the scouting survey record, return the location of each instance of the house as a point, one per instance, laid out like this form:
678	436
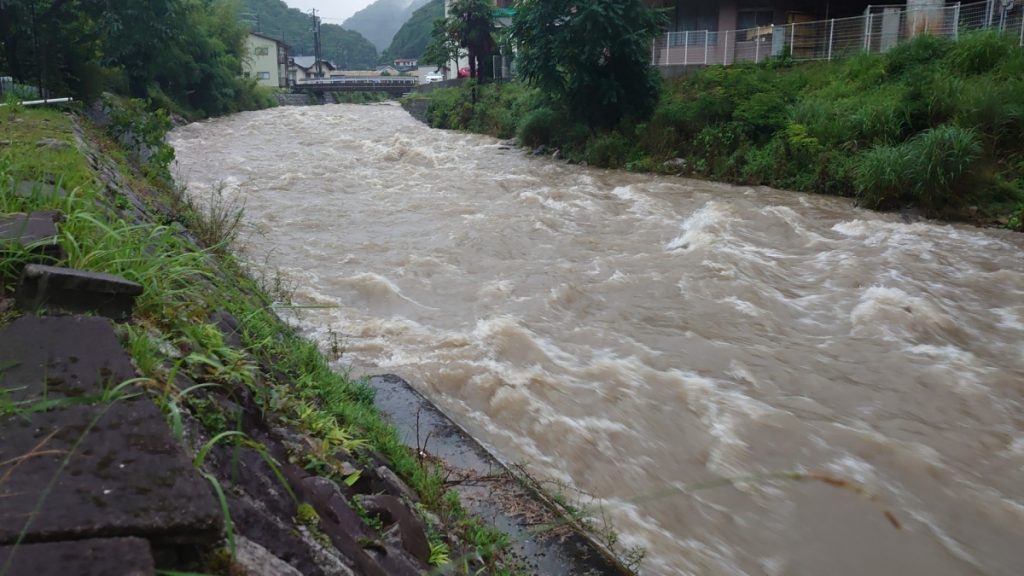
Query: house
702	32
721	15
266	60
406	64
307	68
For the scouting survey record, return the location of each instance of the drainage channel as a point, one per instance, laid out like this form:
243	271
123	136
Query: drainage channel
489	489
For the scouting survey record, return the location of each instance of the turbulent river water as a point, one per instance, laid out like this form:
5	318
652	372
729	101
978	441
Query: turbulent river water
639	337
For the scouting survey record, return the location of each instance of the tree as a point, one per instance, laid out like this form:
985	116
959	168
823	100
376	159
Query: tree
474	22
468	26
593	56
444	45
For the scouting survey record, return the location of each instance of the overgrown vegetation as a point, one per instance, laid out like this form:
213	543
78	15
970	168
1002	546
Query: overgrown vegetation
933	124
182	55
186	365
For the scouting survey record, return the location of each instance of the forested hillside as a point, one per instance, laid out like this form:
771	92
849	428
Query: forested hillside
345	47
379	21
412	38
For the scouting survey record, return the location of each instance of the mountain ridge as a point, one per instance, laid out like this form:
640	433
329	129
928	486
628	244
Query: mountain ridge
381	20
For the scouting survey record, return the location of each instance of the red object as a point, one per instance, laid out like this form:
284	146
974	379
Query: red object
463	72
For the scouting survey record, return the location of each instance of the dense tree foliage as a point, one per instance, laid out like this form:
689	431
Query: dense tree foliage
412	38
184	54
593	57
347	49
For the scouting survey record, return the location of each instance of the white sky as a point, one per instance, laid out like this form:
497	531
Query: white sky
331	11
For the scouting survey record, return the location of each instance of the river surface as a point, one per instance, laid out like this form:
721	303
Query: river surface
639	336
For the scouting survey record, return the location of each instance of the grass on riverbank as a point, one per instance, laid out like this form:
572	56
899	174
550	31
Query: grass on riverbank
173	333
933	124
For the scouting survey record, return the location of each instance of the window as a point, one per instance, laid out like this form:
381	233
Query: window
262	50
698	15
754	13
263	75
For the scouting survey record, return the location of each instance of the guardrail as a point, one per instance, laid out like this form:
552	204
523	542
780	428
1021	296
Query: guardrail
42	102
361	80
880	29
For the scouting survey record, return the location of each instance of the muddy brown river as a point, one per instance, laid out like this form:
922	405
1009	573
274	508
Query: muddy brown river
639	336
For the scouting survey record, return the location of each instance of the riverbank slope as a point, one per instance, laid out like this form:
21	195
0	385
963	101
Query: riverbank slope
289	467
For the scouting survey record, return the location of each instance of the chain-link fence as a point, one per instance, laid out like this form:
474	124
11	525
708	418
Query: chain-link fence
878	30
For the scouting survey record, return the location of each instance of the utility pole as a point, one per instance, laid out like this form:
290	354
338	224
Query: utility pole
316	45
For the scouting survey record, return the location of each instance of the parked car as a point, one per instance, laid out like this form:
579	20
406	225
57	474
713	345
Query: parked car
431	78
463	72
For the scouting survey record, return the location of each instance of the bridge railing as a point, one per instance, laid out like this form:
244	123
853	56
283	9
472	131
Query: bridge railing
880	29
361	81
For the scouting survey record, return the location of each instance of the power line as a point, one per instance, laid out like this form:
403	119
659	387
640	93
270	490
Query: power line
316	45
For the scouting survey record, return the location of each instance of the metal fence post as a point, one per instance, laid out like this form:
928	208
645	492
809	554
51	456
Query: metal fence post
706	33
1022	28
686	49
867	34
668	49
757	48
831	35
792	38
956	21
725	52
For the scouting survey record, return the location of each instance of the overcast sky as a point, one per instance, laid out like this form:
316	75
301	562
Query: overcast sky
331	11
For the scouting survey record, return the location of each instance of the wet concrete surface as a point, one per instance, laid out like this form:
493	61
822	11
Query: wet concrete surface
488	489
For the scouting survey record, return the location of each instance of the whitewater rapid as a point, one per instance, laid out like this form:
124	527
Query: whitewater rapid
639	336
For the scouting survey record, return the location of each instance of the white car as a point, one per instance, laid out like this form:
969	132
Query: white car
431	78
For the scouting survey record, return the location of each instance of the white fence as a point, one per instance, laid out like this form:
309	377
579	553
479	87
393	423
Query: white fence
878	30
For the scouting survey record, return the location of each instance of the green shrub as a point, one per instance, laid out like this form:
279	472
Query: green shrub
932	169
608	150
940	162
763	164
538	127
880	176
924	50
980	52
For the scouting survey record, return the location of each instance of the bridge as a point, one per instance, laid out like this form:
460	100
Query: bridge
396	85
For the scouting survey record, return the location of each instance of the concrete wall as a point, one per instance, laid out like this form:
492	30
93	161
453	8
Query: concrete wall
924	16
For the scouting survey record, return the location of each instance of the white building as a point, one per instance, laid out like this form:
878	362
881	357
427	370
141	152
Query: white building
266	60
